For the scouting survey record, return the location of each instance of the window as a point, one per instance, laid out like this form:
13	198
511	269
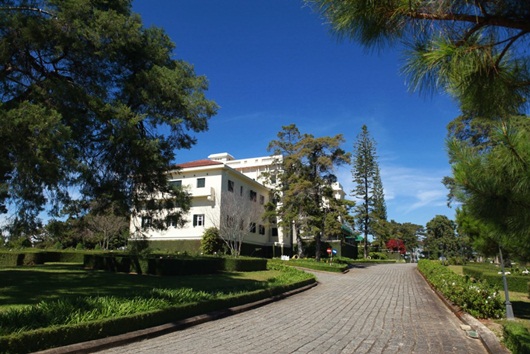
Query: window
175	183
253	196
261	199
171	220
230	186
147	221
261	230
274	232
253	227
198	220
241	191
201	182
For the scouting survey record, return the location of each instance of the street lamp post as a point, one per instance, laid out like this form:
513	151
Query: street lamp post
509	309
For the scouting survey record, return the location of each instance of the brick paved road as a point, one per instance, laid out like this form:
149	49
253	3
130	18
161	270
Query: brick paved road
379	309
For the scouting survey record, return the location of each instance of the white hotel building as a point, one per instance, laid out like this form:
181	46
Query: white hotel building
206	181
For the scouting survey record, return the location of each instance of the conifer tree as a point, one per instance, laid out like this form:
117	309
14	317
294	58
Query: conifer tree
368	186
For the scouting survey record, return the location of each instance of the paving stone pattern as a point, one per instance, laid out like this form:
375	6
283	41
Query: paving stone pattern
377	309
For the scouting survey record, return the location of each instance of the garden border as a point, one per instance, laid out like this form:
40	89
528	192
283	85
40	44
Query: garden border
135	336
490	341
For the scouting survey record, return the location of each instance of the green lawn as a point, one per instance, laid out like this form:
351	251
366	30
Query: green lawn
52	305
31	285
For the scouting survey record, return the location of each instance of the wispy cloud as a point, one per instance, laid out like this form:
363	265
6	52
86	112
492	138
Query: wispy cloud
412	194
414	187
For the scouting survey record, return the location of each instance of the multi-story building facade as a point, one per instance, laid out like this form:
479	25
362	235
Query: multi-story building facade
218	186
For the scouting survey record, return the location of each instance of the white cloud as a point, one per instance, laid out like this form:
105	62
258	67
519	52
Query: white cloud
412	194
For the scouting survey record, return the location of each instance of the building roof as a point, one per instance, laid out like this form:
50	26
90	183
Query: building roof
199	163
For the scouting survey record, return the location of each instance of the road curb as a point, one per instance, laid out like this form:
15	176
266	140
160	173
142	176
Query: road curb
490	341
135	336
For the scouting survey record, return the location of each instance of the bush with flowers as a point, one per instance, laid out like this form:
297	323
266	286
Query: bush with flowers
479	299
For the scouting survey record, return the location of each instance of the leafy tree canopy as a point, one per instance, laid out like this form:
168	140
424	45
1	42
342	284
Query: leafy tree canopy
305	182
90	101
441	237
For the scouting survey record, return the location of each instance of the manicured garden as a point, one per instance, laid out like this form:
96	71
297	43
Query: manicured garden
477	289
54	304
335	264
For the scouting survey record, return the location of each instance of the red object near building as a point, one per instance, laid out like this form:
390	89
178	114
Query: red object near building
396	246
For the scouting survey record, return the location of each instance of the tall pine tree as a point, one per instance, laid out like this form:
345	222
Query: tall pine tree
368	186
305	185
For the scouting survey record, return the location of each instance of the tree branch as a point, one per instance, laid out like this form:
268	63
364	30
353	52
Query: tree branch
510	43
484	21
27	8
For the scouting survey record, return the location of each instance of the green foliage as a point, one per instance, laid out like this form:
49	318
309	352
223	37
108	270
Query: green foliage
441	238
477	298
378	255
243	264
305	182
85	318
169	247
336	267
168	265
211	243
407	232
518	283
34	257
99	105
516	337
454	46
495	186
477	235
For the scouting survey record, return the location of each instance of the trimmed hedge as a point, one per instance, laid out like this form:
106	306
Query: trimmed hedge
182	246
516	337
26	258
172	265
184	266
245	264
35	340
518	283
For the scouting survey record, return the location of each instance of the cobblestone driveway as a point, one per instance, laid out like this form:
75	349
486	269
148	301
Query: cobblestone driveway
378	309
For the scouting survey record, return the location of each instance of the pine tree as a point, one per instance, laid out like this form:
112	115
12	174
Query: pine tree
306	181
369	188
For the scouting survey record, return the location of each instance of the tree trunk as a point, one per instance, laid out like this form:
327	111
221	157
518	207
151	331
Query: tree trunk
299	242
366	254
318	246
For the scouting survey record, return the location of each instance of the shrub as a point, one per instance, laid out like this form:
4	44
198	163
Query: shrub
243	264
211	243
378	255
479	299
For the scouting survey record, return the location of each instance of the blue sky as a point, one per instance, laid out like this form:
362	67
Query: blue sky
272	63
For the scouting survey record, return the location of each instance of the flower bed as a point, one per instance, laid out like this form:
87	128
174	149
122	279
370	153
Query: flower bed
478	298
